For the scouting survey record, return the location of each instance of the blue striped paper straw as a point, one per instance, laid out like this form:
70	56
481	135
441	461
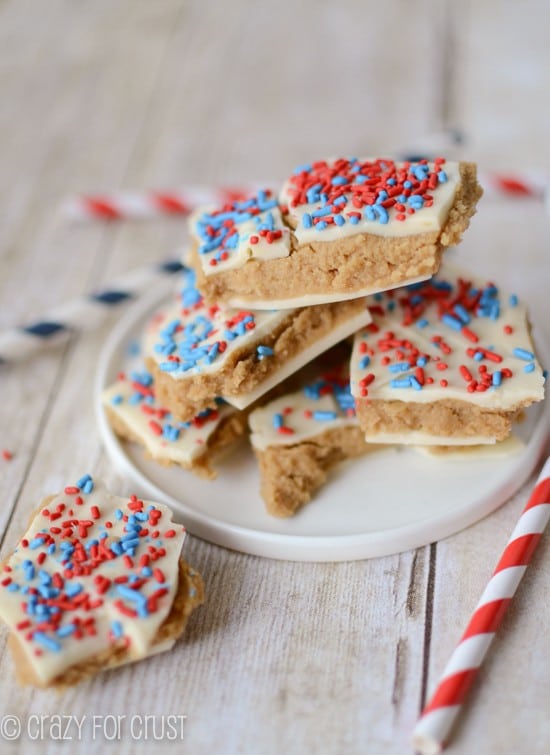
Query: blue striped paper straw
82	314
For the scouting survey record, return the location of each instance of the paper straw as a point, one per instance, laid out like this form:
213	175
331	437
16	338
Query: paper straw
82	314
431	733
133	205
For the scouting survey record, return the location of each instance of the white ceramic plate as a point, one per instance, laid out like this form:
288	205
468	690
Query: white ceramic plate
384	503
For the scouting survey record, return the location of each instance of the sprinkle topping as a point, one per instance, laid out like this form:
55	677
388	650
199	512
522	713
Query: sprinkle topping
331	198
77	583
240	230
325	402
195	338
451	325
132	398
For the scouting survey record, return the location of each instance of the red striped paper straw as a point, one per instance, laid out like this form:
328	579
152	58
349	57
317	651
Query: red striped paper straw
529	185
130	205
432	730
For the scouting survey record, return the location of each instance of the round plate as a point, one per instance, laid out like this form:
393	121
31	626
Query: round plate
388	501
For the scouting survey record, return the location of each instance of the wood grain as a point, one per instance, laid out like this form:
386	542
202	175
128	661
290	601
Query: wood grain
331	658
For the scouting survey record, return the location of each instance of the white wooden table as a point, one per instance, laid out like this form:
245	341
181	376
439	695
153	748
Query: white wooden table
283	657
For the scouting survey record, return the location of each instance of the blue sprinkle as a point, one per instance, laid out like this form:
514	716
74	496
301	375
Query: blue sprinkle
321	225
130	545
83	480
118	514
129	594
399	367
306	168
116	629
400	382
264	351
354	220
169	366
462	313
415	201
88	486
277	421
339	220
73	589
306	220
442	176
321	212
369	212
514	301
497	378
422	323
415	383
146	571
36	543
48	642
44	577
116	400
529	367
524	354
339	181
383	216
324	416
421	362
452	322
66	631
364	363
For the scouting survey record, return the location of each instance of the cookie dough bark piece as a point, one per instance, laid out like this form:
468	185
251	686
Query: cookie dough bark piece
196	351
342	229
96	581
135	414
448	362
298	438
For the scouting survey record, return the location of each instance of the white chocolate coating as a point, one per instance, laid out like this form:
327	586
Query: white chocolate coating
459	330
298	416
164	437
312	299
59	592
424	219
502	449
227	238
